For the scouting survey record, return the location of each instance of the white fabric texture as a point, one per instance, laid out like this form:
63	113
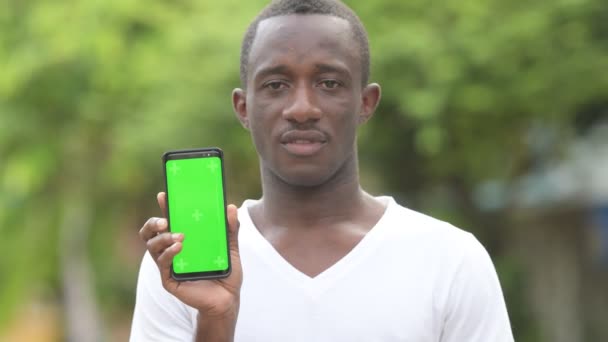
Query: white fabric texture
411	278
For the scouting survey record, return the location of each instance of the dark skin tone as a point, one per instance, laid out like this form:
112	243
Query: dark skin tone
305	75
218	310
302	103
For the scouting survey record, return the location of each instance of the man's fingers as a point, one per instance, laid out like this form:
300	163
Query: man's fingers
161	198
153	227
233	227
158	244
165	259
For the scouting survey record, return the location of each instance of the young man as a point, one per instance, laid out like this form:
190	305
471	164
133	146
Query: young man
322	260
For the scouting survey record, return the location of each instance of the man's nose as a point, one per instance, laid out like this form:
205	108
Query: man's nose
302	106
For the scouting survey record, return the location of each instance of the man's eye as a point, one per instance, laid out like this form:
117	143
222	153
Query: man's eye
330	84
274	85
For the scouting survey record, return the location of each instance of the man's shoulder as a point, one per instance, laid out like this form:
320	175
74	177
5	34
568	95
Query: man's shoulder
413	227
413	221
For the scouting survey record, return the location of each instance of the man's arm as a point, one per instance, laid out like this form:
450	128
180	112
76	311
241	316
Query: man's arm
217	329
159	316
476	310
216	301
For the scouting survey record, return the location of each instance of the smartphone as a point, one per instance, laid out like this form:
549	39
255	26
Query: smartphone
196	207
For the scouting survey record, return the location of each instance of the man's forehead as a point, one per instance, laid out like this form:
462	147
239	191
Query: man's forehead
307	28
284	34
298	22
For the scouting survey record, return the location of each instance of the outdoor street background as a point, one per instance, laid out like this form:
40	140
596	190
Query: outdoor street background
494	117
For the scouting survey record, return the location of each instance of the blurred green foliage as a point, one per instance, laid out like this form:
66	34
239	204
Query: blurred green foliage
92	92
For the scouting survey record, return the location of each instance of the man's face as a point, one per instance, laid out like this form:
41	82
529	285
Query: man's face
304	98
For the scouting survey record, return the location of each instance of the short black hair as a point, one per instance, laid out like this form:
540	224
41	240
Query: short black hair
333	8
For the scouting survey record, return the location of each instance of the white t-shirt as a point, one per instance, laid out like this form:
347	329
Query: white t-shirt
411	278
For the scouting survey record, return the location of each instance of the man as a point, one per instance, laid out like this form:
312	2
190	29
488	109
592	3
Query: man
322	260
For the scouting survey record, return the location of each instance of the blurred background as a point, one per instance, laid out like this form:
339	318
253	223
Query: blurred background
494	117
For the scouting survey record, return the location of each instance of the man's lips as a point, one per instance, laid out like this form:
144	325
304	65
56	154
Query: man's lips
303	142
303	136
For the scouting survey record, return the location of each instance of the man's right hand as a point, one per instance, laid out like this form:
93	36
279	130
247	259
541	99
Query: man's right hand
214	299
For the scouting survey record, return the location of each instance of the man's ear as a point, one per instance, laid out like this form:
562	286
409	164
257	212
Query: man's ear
370	97
239	104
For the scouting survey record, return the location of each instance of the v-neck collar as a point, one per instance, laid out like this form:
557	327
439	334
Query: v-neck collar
323	280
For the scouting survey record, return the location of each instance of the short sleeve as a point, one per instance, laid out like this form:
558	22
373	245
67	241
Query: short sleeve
476	310
158	315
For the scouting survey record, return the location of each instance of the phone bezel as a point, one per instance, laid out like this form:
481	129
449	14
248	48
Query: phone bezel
189	154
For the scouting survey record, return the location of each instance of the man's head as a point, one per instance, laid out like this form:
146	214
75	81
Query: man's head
305	92
303	7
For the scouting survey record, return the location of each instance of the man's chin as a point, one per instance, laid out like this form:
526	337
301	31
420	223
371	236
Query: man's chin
304	180
302	174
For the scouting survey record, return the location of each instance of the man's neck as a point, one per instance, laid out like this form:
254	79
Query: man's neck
340	198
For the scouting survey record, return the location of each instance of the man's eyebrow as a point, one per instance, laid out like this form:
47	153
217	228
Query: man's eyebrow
321	67
277	69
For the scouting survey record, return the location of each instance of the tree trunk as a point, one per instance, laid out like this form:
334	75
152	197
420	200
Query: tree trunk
81	313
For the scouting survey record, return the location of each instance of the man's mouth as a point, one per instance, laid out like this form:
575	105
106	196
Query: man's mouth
303	142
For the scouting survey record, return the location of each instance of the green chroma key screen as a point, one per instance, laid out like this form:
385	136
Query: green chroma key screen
196	209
